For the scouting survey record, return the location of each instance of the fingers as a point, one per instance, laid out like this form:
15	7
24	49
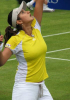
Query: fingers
1	37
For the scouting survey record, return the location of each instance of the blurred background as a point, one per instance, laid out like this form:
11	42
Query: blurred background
56	33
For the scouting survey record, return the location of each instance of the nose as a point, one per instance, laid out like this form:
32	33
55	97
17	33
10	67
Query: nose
28	12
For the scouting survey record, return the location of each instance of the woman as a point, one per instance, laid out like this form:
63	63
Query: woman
29	47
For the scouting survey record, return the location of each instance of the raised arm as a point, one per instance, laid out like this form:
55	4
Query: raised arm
38	10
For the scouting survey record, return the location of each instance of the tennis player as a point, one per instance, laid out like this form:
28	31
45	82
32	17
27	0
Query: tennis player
24	39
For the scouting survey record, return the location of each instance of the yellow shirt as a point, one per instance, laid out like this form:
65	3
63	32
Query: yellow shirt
30	53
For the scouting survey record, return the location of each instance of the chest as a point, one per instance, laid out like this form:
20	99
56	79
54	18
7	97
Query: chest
34	47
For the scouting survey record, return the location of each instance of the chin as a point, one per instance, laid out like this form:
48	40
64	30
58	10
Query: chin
32	18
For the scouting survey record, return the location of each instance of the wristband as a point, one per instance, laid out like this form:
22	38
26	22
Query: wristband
1	46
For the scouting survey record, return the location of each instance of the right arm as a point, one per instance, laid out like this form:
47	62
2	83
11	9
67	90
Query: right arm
5	55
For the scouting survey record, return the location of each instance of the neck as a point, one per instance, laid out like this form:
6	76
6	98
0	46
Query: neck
28	30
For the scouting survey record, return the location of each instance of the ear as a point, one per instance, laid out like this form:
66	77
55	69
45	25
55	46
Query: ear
19	22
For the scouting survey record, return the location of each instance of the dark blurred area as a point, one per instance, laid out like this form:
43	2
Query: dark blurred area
19	1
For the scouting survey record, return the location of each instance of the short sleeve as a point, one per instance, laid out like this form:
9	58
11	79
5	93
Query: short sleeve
12	44
37	26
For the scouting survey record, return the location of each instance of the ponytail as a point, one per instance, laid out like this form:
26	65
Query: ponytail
8	33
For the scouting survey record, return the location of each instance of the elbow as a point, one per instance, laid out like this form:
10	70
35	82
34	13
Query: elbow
2	62
1	65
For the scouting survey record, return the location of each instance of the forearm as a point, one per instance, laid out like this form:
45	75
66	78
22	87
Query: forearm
45	2
38	10
1	58
41	1
5	55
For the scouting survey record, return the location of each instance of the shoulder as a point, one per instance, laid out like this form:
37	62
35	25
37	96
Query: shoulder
12	42
35	24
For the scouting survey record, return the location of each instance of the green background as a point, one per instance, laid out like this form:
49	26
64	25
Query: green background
58	82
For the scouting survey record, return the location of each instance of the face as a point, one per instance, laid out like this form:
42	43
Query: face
25	16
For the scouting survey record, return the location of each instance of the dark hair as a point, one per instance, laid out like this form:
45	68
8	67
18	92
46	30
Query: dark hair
9	30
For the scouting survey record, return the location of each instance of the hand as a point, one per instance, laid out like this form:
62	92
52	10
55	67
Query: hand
1	39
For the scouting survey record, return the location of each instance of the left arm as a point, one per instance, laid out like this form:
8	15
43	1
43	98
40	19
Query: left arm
38	10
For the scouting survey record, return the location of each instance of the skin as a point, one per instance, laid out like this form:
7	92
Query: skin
45	1
25	22
1	37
